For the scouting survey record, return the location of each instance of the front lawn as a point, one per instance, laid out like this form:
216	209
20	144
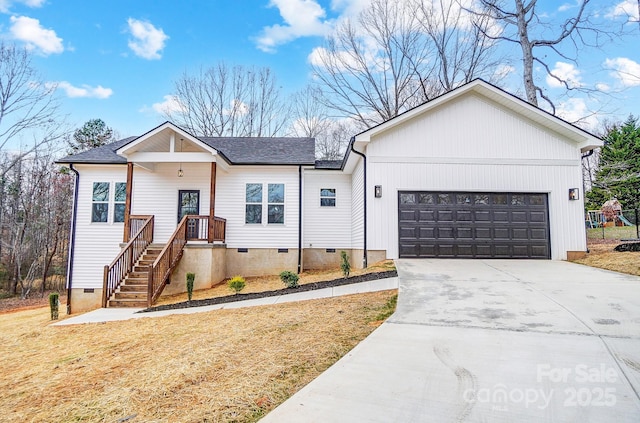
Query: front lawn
225	365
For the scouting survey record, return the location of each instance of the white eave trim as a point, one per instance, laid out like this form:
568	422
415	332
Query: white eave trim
122	151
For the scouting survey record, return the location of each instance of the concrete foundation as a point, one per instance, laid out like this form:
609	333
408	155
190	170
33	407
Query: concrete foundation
82	301
207	261
321	258
261	261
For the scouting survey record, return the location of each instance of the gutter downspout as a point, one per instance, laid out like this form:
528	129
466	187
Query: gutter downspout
587	154
364	191
72	237
299	219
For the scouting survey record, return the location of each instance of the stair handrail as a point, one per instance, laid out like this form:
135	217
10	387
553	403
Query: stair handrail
160	270
122	265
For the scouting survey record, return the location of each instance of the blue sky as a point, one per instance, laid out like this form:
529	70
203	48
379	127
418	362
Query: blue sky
117	59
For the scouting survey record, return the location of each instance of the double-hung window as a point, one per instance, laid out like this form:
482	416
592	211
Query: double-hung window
327	197
275	210
119	199
257	198
100	202
253	207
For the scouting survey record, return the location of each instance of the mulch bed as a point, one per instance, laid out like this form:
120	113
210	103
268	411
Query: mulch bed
301	288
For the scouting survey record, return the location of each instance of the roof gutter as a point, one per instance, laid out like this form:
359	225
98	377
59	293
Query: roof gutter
364	192
72	237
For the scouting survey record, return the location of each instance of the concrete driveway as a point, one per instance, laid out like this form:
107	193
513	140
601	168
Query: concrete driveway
490	341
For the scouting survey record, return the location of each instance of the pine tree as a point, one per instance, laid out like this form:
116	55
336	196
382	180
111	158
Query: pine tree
618	174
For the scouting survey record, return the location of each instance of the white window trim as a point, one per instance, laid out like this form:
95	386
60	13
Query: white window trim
110	202
265	204
335	197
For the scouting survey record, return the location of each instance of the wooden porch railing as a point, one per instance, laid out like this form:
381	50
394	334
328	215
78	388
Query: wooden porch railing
122	265
169	257
198	228
190	228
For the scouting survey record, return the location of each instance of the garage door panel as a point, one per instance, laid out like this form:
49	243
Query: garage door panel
539	234
473	225
426	216
482	215
445	232
463	216
483	233
537	216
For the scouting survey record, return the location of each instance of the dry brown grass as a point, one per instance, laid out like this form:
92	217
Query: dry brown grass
602	255
271	283
220	366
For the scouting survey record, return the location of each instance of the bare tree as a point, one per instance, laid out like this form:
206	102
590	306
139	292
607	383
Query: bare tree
375	68
525	26
28	106
34	229
460	51
224	101
310	118
399	54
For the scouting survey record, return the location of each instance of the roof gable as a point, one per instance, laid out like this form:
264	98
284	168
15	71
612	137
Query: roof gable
583	139
234	150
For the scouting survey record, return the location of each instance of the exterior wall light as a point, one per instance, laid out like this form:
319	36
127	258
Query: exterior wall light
378	191
574	194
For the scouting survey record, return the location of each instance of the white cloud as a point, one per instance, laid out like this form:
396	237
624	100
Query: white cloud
601	86
567	73
302	18
625	70
148	41
502	71
29	31
627	8
576	111
168	106
84	91
5	5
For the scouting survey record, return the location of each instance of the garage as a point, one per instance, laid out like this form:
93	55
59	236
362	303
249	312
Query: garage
473	225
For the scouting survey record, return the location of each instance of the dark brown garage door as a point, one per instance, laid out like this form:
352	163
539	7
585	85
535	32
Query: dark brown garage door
473	225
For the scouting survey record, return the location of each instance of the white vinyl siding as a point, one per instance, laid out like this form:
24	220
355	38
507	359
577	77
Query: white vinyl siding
326	227
473	144
231	205
96	244
156	193
357	207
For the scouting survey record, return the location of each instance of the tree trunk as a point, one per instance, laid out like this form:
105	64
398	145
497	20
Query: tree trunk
527	54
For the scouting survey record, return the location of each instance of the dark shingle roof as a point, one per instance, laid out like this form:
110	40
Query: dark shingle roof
329	164
264	151
105	154
239	151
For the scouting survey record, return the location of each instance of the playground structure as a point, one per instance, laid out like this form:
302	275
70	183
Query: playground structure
610	214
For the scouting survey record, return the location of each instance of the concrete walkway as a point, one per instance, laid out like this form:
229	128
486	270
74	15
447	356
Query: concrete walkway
490	341
114	314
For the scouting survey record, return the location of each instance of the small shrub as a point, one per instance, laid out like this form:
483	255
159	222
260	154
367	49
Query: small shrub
344	264
290	279
236	284
54	304
191	277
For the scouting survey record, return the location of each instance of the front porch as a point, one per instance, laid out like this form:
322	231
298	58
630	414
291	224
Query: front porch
142	269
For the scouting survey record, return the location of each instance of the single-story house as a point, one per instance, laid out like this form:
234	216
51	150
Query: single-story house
474	173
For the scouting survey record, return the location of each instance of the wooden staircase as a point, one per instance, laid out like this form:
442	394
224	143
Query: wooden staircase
134	290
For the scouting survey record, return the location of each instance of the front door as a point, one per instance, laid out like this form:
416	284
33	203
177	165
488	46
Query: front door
189	203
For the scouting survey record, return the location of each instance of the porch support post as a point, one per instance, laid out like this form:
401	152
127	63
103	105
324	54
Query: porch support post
212	203
127	204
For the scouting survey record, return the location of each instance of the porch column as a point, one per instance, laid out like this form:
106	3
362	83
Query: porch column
212	203
127	204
